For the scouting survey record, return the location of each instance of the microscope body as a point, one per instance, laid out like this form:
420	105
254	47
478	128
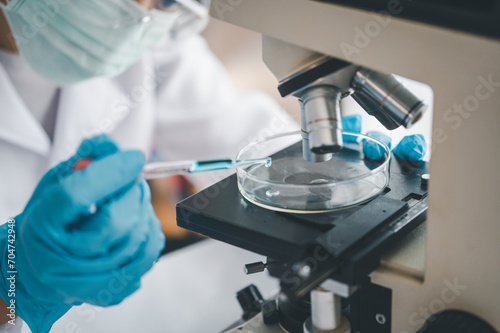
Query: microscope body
452	262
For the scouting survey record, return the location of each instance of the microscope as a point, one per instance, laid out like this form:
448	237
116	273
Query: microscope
423	255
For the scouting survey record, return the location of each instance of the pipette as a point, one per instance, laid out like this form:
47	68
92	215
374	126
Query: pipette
166	169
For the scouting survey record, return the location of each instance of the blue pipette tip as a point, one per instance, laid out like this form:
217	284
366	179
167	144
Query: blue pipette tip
266	161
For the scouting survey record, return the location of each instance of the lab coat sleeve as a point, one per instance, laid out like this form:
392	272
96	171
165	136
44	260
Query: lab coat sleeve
200	115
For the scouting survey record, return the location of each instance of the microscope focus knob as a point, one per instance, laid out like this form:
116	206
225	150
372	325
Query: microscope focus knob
250	301
455	321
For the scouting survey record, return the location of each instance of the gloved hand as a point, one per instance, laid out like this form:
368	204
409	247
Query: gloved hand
411	147
85	236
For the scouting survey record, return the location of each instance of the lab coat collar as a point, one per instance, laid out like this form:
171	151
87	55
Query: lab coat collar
17	124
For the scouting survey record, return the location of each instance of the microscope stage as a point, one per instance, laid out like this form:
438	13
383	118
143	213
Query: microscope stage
354	238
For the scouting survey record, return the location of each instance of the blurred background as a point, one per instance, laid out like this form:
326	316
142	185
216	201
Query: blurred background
240	50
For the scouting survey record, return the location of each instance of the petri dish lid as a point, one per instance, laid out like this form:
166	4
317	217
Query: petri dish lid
292	184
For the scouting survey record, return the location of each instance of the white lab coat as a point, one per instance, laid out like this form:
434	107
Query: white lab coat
177	100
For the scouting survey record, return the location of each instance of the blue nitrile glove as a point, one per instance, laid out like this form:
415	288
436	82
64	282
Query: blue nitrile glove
85	236
411	147
351	124
372	149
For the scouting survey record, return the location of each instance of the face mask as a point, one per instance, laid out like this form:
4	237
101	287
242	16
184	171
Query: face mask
68	41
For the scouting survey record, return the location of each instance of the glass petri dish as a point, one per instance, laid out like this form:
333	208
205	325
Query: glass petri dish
292	184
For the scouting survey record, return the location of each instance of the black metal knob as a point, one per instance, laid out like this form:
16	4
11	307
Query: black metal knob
250	301
254	267
425	180
455	321
270	313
